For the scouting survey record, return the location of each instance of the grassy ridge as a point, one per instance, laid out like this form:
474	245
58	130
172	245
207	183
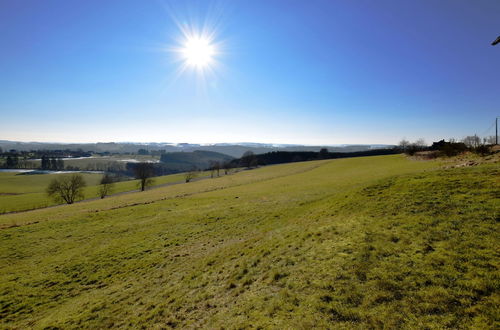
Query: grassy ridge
351	243
164	193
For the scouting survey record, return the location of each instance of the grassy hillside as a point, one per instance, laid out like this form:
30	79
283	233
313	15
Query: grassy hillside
27	192
352	243
20	183
24	192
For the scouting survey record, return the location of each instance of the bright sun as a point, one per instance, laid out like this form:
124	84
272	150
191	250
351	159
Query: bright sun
198	52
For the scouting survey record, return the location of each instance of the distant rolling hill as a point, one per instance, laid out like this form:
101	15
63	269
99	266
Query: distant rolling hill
185	161
232	149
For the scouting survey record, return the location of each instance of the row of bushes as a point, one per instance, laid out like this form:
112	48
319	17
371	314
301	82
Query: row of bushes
443	148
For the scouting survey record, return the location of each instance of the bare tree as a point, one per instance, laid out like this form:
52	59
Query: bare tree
67	188
214	166
420	143
106	186
211	167
472	141
217	167
227	166
248	159
144	172
188	176
404	144
490	139
412	148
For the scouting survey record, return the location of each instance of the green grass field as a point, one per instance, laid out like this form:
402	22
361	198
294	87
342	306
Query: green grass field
27	192
24	192
373	242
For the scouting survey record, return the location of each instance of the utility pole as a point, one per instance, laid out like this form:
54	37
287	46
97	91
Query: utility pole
496	41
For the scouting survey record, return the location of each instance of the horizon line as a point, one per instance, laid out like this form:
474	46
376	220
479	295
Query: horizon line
200	143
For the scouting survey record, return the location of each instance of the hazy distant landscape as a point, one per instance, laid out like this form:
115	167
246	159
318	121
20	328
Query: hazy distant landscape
231	149
206	164
26	172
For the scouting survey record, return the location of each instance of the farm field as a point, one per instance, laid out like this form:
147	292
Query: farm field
101	162
96	162
27	192
370	242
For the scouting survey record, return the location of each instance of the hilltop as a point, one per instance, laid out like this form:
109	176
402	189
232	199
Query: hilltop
368	242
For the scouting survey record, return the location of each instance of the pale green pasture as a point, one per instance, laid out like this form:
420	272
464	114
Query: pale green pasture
27	192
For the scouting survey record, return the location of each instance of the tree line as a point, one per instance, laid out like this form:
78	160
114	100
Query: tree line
452	147
70	188
52	163
50	160
249	159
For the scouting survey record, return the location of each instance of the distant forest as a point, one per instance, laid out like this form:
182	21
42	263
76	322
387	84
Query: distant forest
280	157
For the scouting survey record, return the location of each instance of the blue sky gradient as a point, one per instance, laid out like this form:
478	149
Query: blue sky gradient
308	72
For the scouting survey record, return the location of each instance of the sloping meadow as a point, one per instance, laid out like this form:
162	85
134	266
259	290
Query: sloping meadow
354	243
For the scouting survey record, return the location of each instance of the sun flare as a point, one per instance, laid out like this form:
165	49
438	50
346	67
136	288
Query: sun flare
198	52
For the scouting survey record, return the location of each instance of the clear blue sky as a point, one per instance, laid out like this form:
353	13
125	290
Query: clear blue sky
310	72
